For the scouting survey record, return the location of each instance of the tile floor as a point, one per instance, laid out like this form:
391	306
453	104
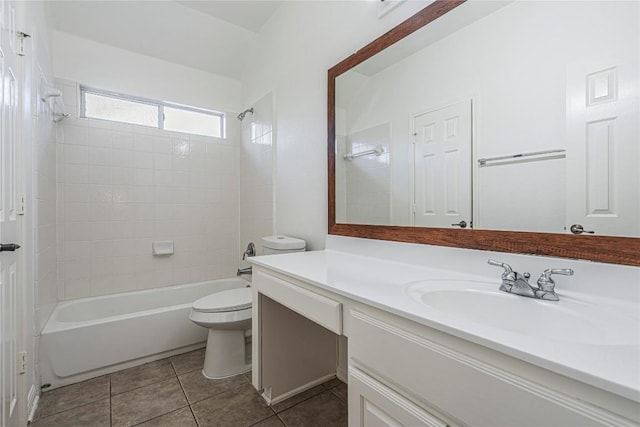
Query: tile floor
173	393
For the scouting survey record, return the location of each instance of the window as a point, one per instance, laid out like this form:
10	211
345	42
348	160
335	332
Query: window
99	104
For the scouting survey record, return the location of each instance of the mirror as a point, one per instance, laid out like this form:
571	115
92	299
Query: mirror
517	116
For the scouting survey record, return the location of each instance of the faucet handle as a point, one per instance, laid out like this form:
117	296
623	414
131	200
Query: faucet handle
546	283
507	268
251	251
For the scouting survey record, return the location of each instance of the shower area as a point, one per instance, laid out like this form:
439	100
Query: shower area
123	188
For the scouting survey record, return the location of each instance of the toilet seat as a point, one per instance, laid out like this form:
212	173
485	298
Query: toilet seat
225	301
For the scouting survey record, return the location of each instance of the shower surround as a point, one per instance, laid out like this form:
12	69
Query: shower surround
121	186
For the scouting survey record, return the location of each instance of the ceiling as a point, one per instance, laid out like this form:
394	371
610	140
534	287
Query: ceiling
214	36
247	14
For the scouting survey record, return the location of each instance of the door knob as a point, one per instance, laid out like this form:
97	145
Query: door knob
9	247
578	229
461	224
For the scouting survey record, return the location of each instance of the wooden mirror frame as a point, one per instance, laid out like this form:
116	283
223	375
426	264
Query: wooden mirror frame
615	250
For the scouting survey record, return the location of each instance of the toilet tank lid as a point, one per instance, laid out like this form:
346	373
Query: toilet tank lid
229	300
283	242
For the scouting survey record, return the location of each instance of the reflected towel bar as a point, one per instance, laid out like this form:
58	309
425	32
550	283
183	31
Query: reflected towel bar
377	151
484	161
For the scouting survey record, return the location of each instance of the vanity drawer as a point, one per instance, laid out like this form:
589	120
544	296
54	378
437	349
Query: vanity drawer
467	389
318	308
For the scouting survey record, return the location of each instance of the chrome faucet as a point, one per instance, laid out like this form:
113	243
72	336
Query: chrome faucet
516	283
242	271
251	251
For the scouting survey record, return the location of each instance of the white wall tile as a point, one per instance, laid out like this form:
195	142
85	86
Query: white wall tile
75	154
121	187
99	137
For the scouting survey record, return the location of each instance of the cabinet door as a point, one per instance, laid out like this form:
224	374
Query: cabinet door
372	404
473	391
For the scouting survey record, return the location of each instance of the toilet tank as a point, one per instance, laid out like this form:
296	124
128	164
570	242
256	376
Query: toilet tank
281	245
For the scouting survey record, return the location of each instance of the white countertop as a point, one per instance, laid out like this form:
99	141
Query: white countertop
380	283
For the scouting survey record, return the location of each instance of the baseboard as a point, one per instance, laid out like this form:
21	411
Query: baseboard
32	402
298	390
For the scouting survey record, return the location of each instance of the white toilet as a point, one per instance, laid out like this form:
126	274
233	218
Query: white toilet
227	314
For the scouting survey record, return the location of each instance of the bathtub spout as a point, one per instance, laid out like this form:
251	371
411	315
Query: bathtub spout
242	271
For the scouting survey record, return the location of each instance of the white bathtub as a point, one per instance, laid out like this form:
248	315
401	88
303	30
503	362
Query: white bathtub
89	337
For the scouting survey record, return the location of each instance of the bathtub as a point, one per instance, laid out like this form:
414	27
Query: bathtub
93	336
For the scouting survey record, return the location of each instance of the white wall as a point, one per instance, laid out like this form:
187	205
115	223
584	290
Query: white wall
291	57
106	67
256	174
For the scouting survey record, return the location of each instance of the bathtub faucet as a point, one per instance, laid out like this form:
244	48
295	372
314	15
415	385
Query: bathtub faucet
242	271
251	251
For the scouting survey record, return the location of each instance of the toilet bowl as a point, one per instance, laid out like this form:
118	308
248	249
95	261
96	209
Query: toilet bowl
227	315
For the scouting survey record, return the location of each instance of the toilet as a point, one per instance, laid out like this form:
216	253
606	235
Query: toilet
227	315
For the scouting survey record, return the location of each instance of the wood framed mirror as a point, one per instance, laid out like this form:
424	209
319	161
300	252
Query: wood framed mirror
607	249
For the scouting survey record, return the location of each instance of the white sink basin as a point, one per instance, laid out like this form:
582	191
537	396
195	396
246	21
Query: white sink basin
567	320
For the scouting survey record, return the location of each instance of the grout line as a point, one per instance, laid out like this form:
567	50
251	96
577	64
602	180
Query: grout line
110	406
142	386
194	416
281	420
161	415
73	409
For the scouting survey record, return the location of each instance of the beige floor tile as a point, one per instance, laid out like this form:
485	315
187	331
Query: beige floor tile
145	403
332	383
96	414
243	407
197	387
322	410
140	376
341	392
270	422
187	362
292	401
180	418
72	396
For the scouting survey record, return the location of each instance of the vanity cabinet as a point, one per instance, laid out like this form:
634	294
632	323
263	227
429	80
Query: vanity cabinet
441	380
402	372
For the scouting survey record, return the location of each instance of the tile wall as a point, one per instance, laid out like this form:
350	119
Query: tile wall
368	178
256	178
120	187
43	155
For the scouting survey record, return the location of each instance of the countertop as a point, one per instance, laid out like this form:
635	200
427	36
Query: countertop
381	284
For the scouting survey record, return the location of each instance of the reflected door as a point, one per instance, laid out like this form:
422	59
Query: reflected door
603	151
9	296
442	167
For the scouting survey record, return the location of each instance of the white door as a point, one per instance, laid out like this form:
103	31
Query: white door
603	147
442	167
10	312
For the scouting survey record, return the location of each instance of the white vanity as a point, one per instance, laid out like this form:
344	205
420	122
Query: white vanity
415	360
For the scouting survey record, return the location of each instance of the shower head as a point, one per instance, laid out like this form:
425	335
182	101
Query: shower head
244	113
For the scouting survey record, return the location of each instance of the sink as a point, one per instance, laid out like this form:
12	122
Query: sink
567	320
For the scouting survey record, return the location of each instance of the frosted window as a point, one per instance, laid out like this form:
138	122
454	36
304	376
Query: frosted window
120	110
193	122
101	104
